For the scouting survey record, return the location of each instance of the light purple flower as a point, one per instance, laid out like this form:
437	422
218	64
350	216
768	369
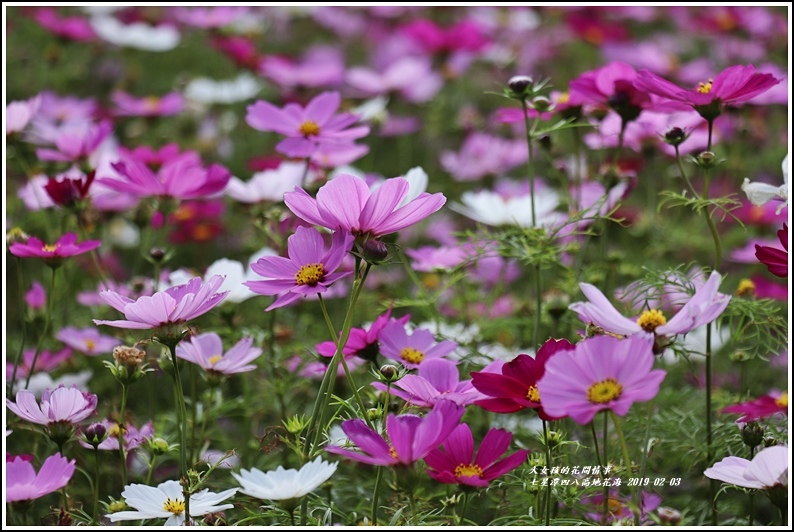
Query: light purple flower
61	405
600	373
133	437
346	203
437	380
24	484
410	437
429	258
411	76
704	307
206	350
320	66
308	270
481	155
36	297
209	17
18	114
76	142
88	340
414	349
306	128
361	342
269	185
175	305
767	469
128	105
47	361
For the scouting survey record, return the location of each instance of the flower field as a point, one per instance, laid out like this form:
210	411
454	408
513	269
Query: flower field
397	265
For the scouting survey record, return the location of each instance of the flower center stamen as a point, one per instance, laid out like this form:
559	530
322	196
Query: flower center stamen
214	360
115	429
470	470
393	452
746	288
409	354
49	247
533	394
309	128
310	274
782	401
651	319
604	391
151	103
705	88
175	506
90	345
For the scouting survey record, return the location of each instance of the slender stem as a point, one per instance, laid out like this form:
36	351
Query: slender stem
306	171
709	435
623	446
595	441
462	515
606	463
150	473
376	496
292	517
530	162
23	327
96	486
547	509
47	322
122	426
191	375
181	421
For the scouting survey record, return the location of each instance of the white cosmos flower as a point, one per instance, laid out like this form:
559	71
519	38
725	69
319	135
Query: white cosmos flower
166	500
761	193
209	91
283	484
136	35
491	208
269	185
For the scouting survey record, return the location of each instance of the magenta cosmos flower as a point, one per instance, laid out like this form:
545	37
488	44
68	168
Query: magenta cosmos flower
411	350
765	406
88	340
775	260
53	254
457	463
24	484
362	343
736	84
206	350
181	178
346	203
308	270
612	85
165	309
61	405
76	141
601	373
515	386
410	437
306	128
768	469
704	307
128	105
436	380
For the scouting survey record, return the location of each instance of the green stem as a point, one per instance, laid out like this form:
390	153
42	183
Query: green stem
47	323
462	515
191	375
96	486
23	326
376	496
531	176
709	435
182	422
150	473
595	442
547	446
122	426
606	463
623	446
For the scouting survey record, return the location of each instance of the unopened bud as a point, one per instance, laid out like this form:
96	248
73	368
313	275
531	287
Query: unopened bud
95	434
15	235
519	84
158	446
131	357
541	104
157	254
668	516
374	413
389	372
116	506
375	251
707	159
752	434
675	136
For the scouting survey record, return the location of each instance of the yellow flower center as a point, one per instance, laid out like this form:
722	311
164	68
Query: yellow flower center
604	391
782	401
175	506
116	429
651	319
90	345
746	288
409	354
49	247
615	505
470	470
392	452
705	88
309	128
214	360
310	274
151	103
533	394
563	97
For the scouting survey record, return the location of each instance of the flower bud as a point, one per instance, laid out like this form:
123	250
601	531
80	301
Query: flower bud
157	254
15	235
541	104
519	85
675	136
131	357
374	414
95	434
389	372
158	446
668	516
375	251
752	434
116	506
707	159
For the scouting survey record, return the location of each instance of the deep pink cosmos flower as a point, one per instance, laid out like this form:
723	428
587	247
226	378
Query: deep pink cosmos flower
75	142
515	386
436	380
72	28
736	84
170	307
87	340
128	105
704	307
612	85
24	484
53	254
206	350
465	35
601	373
181	178
363	343
308	270
767	470
61	405
320	66
47	361
776	260
410	437
346	203
414	349
69	192
457	463
133	437
306	128
765	406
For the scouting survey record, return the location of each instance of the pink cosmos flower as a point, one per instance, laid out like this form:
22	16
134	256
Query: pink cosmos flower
269	185
308	270
76	142
209	17
19	114
173	306
765	406
363	343
768	469
306	128
481	155
704	307
88	340
206	350
429	258
776	260
67	191
766	289
436	380
72	28
736	84
465	35
601	373
47	361
414	349
457	463
133	437
53	254
612	86
620	508
514	386
61	405
346	203
410	437
36	297
24	484
412	77
320	66
128	105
